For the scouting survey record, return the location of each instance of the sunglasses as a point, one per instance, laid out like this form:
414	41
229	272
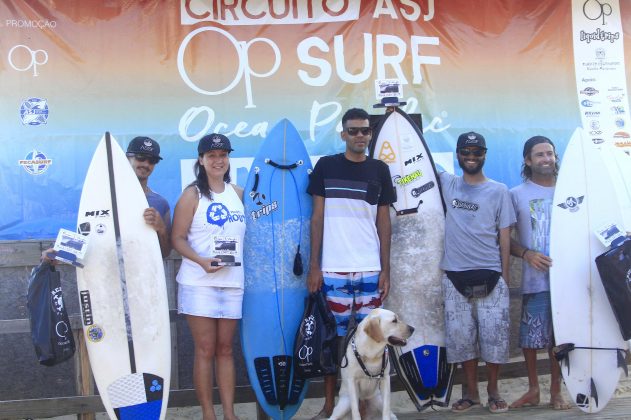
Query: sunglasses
151	160
353	131
476	152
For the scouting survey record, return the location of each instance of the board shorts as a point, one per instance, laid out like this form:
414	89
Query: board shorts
477	327
535	327
210	302
351	295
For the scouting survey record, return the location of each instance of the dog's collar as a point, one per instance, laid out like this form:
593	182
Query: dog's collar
384	361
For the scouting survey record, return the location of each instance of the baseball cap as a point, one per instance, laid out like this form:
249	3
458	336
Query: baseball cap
142	145
471	139
213	141
533	141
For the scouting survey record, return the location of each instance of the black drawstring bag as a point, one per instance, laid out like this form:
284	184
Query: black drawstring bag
50	326
315	348
614	267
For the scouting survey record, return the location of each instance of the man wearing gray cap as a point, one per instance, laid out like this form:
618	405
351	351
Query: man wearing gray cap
532	201
476	263
143	153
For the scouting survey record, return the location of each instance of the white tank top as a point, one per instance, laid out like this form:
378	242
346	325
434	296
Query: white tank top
221	216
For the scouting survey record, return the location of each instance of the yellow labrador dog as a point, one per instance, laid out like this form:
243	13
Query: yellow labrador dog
366	367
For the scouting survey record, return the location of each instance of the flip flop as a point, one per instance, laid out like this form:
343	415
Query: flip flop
461	402
496	402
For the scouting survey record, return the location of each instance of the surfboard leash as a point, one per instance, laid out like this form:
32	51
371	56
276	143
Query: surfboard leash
562	354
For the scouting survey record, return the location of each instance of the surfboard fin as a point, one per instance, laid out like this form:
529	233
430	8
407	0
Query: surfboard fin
622	361
593	391
264	374
282	369
562	354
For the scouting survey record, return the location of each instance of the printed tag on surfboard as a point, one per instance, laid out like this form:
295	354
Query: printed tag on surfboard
609	233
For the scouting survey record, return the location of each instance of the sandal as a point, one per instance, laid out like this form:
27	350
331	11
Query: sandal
466	404
496	402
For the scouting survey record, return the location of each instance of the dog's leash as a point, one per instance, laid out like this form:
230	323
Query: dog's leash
384	361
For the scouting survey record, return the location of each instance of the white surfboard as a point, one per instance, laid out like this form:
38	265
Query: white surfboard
618	161
122	290
418	223
584	200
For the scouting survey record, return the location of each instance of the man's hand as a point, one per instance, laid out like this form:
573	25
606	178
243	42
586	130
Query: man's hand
314	280
384	285
153	219
538	260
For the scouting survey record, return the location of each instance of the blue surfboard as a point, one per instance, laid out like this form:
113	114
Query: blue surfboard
278	211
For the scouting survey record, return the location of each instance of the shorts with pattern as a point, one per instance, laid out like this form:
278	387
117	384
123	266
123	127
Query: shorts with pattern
477	327
209	301
535	327
351	293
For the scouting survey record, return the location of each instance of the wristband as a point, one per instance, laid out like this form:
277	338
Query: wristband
523	254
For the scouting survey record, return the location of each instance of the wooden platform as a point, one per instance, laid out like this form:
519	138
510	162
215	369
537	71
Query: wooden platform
618	408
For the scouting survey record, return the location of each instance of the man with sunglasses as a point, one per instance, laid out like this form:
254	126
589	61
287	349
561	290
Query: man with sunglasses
350	231
476	263
533	205
143	153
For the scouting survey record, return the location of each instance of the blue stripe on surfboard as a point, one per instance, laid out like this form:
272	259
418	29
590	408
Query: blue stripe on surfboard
145	411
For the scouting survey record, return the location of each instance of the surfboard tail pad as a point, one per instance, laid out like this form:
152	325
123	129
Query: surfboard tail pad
274	375
427	375
138	396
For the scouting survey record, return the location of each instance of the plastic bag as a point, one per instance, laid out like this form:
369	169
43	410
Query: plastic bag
50	327
614	267
315	349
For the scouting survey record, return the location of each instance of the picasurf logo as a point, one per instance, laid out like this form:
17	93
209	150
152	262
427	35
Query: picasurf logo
572	204
34	111
35	162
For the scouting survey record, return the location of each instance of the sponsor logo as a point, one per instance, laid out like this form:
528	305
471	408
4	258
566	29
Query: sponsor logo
588	79
156	386
615	98
386	153
405	180
615	89
592	114
217	214
86	307
599	35
596	10
308	327
588	104
97	213
595	133
594	125
600	53
416	192
621	135
589	91
34	111
265	210
618	109
30	24
413	159
22	58
100	229
620	123
464	205
35	162
572	203
62	330
598	141
95	333
84	229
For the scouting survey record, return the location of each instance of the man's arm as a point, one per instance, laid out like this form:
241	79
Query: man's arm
505	250
314	277
384	231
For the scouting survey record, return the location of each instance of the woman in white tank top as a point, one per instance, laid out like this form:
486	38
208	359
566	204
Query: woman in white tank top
209	211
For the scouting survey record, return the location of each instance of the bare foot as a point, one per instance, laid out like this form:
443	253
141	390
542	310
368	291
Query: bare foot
558	402
529	399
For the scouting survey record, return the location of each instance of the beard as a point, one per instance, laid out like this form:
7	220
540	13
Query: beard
471	170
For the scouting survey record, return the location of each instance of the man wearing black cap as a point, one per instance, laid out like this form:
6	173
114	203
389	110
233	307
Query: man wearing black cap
532	201
143	154
476	263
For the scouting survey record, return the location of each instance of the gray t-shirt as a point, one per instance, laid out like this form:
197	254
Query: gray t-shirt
475	214
533	207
